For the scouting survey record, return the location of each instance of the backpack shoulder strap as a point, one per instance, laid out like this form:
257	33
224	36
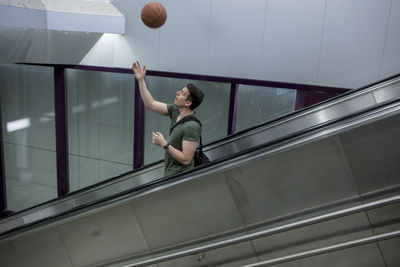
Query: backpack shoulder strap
183	120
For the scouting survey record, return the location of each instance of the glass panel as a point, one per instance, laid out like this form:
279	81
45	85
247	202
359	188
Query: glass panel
257	104
213	112
27	102
100	126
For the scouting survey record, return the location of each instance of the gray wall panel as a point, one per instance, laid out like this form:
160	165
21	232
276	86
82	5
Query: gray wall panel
316	236
353	40
5	255
384	220
236	38
235	255
373	151
390	250
291	181
183	213
63	47
142	41
365	256
103	236
275	40
42	249
391	57
292	40
185	37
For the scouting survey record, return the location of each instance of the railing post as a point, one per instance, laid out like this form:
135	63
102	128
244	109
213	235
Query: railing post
299	103
138	130
60	106
233	102
3	191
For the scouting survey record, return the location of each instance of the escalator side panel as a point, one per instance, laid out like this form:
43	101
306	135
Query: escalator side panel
111	234
188	211
303	180
384	220
293	180
45	249
373	153
319	235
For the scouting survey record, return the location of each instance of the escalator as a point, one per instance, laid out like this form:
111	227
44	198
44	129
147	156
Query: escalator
332	156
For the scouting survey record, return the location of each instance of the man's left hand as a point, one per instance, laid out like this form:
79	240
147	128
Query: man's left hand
158	139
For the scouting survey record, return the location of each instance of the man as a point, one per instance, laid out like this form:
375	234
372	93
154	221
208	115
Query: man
181	145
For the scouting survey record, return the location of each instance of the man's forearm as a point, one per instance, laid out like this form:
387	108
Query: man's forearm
179	155
144	92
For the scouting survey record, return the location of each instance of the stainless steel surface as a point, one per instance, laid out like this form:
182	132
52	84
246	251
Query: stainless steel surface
389	92
119	221
272	231
239	144
308	172
108	235
177	225
384	220
372	152
394	108
323	113
241	195
242	253
326	114
258	136
353	243
59	206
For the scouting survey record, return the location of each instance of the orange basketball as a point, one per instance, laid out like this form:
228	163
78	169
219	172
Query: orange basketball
154	15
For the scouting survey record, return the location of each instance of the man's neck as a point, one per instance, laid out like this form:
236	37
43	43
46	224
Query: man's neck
185	111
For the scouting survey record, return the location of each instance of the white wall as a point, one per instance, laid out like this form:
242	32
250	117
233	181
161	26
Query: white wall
332	42
347	43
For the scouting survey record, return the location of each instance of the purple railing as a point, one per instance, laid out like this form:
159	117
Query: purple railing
306	96
138	130
3	192
233	102
60	106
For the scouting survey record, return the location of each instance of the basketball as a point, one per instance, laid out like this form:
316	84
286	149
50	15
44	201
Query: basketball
154	15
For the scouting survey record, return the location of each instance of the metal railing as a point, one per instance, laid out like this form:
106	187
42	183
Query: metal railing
284	228
323	250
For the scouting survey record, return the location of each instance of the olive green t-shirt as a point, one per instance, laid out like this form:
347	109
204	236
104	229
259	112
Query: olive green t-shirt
189	131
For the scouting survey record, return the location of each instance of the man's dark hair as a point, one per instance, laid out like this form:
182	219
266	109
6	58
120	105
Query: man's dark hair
195	95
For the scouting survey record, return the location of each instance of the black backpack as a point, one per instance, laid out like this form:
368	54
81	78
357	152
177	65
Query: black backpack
199	157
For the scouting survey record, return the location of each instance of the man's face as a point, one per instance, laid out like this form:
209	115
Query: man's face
181	98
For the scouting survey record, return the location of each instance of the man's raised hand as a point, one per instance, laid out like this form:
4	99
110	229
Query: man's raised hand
138	71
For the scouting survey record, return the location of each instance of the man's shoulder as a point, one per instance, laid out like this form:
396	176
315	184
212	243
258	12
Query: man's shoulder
172	107
172	110
193	124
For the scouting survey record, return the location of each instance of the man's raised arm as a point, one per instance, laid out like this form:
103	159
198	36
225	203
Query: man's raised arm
148	99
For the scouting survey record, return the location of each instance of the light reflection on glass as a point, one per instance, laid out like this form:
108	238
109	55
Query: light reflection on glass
110	100
49	116
105	102
13	126
79	108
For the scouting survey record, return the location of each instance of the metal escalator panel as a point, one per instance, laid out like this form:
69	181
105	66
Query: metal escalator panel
304	177
329	167
268	136
350	103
